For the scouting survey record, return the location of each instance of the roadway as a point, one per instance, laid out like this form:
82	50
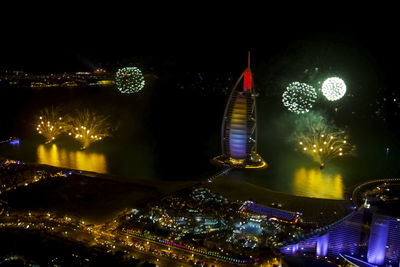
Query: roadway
133	246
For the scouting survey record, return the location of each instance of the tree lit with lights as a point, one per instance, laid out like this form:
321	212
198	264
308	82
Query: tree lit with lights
50	124
88	127
333	88
129	80
299	97
321	140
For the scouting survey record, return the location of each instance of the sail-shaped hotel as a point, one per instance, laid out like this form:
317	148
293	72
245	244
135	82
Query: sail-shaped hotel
239	126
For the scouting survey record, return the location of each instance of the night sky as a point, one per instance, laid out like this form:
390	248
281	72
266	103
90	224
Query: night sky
360	46
51	42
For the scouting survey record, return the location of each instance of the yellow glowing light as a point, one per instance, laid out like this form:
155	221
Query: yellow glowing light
300	143
314	150
317	183
86	124
322	135
263	164
80	160
344	141
105	82
314	145
331	137
305	148
340	154
320	149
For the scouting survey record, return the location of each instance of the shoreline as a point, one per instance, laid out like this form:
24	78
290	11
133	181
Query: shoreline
317	211
162	184
159	185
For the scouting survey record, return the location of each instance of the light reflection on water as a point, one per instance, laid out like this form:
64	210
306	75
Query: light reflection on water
81	160
318	183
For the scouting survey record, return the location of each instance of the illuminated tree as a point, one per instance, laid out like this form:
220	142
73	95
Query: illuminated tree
321	139
333	88
129	80
299	97
88	127
50	124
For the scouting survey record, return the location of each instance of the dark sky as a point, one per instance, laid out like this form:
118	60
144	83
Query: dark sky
52	44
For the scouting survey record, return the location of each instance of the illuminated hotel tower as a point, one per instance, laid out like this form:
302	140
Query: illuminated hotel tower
239	126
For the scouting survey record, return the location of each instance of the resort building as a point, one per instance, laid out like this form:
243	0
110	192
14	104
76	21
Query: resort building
239	126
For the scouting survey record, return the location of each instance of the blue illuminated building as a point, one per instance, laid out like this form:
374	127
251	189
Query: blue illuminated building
252	208
368	237
322	245
377	240
11	141
14	142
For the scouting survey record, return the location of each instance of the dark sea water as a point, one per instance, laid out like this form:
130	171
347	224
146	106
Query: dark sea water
158	135
163	144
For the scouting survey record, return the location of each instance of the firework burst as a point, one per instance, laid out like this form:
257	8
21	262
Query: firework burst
323	141
299	97
333	88
88	127
129	80
50	124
